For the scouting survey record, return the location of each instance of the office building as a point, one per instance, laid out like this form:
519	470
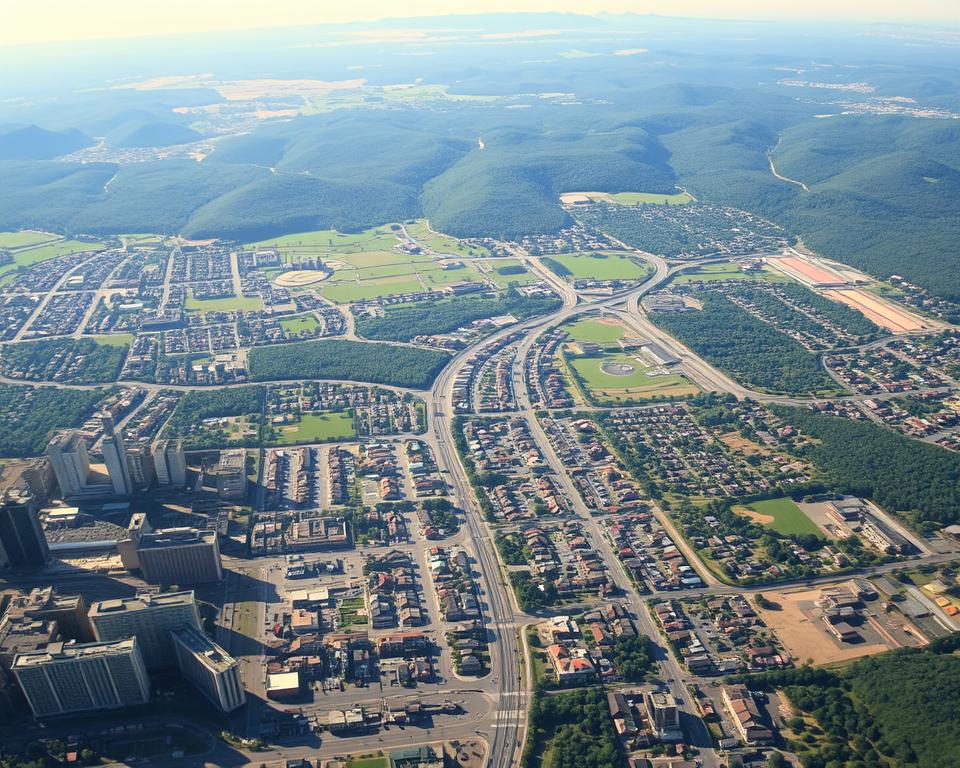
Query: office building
22	541
210	668
664	715
149	618
180	556
68	457
169	462
66	678
231	474
115	457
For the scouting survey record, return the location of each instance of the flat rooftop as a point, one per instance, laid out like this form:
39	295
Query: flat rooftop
176	537
207	652
141	602
68	651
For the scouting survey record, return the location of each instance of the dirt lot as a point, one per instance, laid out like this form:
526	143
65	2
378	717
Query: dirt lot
803	633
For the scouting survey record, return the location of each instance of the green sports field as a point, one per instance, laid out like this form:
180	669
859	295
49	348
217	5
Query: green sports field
608	265
294	325
316	428
788	518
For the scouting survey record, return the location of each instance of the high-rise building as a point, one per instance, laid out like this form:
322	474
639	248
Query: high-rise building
67	452
180	556
22	540
140	463
231	474
170	462
127	546
115	457
664	715
209	668
149	618
67	677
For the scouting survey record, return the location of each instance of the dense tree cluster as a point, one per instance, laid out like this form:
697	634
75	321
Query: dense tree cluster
348	360
406	321
29	414
865	459
747	348
198	405
574	729
532	595
632	657
84	360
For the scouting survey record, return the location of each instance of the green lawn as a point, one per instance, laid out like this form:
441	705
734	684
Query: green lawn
637	386
230	304
369	762
24	238
788	518
726	271
30	256
346	292
331	241
500	280
316	428
595	331
601	266
420	231
634	198
113	339
294	325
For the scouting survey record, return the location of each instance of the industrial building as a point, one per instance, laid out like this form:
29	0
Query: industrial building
180	556
67	678
210	668
150	618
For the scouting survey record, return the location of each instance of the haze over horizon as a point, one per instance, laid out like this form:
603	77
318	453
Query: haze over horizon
50	21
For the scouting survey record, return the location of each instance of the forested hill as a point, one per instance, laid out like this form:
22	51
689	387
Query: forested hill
482	136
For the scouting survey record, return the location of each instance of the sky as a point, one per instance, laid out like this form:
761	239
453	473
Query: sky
40	21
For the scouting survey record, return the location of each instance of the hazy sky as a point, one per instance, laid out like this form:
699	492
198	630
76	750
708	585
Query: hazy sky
31	21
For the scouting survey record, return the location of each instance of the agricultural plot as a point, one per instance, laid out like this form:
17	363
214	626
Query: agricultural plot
782	515
604	265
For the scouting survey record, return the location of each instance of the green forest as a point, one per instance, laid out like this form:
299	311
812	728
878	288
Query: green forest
29	414
754	353
406	321
909	477
571	730
892	709
348	360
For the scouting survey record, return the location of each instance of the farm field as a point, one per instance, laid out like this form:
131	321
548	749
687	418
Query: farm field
727	271
315	428
597	331
781	515
602	382
231	304
607	265
24	238
420	231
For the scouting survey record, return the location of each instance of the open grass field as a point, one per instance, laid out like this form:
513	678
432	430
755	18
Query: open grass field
494	272
44	252
316	428
346	292
25	237
294	325
616	378
330	241
113	339
606	265
420	231
650	198
231	304
373	761
781	515
596	331
726	271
